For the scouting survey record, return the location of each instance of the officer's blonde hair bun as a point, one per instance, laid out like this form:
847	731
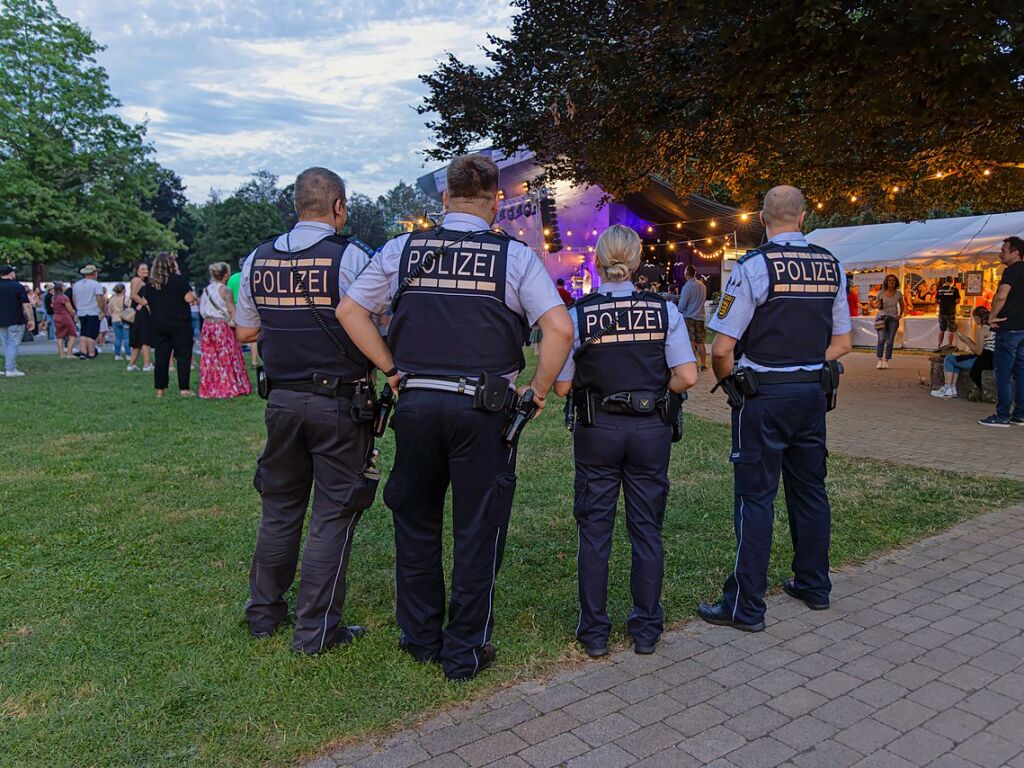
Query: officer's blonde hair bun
618	252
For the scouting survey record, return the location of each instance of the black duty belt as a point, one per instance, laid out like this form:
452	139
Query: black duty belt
345	391
788	377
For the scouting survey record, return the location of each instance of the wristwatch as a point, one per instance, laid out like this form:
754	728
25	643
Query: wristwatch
391	372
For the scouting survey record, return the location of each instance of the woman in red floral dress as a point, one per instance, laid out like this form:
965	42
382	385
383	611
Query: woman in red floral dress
222	371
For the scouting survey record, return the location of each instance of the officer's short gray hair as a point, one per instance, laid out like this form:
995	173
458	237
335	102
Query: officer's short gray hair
618	252
690	270
471	176
316	190
783	204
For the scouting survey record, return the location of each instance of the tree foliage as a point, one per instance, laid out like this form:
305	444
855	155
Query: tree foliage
902	104
73	175
229	229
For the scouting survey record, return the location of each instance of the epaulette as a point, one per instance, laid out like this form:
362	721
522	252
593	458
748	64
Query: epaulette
647	295
361	246
749	255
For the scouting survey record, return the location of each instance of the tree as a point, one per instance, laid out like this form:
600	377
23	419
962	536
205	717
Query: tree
405	202
73	175
229	230
366	220
904	105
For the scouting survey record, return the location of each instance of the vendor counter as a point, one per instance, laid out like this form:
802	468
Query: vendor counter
915	331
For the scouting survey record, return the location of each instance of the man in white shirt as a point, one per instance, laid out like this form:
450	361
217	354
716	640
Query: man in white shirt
90	304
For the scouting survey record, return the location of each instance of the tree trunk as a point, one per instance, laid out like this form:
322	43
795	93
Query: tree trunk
37	274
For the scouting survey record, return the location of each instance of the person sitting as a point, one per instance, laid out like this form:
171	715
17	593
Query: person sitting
983	346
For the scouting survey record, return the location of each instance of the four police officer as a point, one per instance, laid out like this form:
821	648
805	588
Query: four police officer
631	352
463	298
781	324
317	435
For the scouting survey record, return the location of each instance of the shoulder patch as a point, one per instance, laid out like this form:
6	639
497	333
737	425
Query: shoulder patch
725	305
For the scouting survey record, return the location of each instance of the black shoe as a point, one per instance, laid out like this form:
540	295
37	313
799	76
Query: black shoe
595	650
485	656
342	636
718	614
789	587
645	650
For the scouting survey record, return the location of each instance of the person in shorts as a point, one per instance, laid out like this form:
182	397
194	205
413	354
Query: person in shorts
692	296
947	296
90	304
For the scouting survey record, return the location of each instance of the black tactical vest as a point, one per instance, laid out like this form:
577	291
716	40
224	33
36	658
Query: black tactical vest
794	325
292	343
453	317
629	356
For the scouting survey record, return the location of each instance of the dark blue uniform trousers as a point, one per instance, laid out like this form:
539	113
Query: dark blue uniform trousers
631	452
440	440
311	441
780	429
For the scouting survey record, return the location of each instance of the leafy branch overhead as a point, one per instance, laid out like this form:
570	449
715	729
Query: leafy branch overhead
902	105
73	175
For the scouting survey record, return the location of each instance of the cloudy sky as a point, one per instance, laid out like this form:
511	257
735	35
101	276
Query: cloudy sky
229	88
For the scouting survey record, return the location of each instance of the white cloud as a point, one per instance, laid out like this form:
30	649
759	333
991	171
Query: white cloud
228	89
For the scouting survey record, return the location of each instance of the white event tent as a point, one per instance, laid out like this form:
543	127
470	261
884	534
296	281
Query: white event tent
928	248
963	242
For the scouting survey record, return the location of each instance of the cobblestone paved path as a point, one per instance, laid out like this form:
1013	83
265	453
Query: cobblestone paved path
889	415
919	662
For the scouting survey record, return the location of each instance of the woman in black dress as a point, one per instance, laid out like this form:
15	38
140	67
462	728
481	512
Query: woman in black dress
140	334
168	296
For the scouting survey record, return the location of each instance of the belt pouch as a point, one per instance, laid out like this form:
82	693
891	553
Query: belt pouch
642	403
747	381
262	383
491	393
325	385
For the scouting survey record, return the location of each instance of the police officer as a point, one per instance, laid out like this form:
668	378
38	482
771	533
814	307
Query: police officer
783	314
463	297
631	349
289	289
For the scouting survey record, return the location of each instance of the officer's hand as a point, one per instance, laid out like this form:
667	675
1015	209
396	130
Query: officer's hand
393	383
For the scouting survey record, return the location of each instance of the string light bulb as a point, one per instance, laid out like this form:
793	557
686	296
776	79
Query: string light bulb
895	190
708	240
820	206
679	225
853	198
650	228
568	233
651	248
986	172
939	174
594	231
713	224
547	232
521	232
744	216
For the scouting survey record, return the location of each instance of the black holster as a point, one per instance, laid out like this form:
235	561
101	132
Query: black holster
671	409
363	406
262	383
830	373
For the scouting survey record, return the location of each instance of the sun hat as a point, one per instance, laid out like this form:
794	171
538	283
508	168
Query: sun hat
88	269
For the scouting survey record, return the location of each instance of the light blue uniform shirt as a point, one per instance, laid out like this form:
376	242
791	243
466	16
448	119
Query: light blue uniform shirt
678	349
304	235
692	296
748	285
529	289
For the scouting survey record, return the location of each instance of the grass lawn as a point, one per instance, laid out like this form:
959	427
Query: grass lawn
126	528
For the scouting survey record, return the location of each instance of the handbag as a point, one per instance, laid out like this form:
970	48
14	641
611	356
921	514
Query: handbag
879	322
127	314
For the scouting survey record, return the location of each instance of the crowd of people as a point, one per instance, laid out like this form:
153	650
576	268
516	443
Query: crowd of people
158	319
